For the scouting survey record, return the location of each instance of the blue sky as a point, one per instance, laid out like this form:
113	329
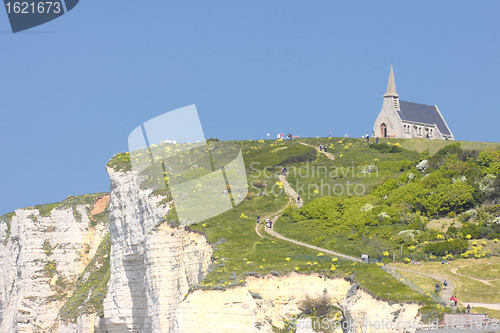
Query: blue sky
72	90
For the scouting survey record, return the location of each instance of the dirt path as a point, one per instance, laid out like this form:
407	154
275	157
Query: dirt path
273	217
484	305
445	294
330	156
454	271
292	194
450	290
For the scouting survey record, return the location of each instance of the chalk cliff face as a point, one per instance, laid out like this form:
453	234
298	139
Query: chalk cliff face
363	313
235	310
151	268
40	258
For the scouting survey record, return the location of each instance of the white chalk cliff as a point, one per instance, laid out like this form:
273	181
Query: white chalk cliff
36	254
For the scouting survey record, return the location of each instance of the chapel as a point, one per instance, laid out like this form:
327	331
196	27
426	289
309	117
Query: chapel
406	120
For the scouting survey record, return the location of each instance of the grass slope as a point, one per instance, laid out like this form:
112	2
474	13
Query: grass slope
239	251
467	289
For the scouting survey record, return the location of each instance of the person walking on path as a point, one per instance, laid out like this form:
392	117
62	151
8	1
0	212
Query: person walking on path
369	259
445	284
258	219
298	199
468	308
377	139
325	149
320	147
268	223
437	288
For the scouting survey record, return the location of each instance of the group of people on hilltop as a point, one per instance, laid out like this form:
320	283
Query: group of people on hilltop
321	148
367	137
288	136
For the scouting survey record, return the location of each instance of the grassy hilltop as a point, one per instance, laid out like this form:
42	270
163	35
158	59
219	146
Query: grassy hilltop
371	199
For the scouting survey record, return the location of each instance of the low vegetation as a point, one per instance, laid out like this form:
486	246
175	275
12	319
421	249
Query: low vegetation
91	288
393	216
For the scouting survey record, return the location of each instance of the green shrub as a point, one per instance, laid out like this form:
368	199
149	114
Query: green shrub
456	246
319	305
386	148
47	248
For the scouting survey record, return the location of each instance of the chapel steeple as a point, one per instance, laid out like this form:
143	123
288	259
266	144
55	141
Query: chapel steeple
391	86
391	90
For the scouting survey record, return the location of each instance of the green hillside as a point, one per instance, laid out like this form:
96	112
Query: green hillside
372	198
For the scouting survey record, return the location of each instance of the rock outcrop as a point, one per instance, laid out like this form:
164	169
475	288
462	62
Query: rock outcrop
151	267
364	313
279	299
236	310
41	258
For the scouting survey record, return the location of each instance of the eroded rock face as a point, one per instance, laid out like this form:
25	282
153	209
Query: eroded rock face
151	268
41	257
235	310
363	313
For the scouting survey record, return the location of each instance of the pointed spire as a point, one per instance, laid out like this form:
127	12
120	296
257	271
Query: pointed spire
391	86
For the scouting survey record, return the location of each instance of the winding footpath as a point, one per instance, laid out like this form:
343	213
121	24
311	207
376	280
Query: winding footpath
293	195
454	271
445	294
330	156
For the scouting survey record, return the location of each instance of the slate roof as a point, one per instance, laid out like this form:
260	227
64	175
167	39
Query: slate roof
421	113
